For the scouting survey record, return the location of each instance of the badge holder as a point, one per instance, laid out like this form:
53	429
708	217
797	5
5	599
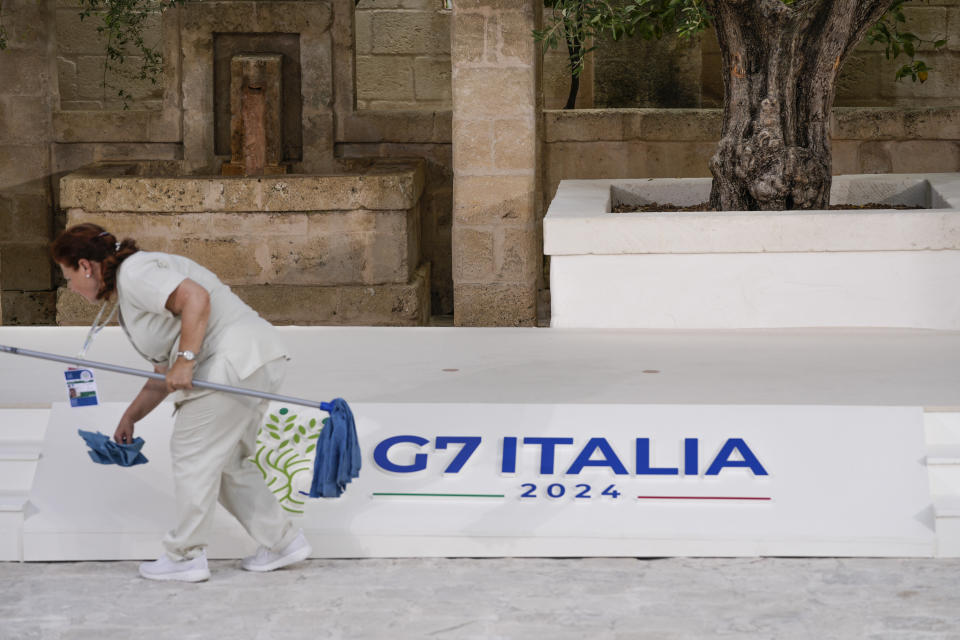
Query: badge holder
81	385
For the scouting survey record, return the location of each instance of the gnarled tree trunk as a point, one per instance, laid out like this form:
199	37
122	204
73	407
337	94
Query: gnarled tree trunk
780	68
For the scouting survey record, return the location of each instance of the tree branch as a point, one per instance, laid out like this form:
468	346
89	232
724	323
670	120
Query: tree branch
867	14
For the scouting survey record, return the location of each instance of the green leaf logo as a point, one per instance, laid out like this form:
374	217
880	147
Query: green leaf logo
282	455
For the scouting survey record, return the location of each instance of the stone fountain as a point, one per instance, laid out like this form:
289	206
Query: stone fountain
259	196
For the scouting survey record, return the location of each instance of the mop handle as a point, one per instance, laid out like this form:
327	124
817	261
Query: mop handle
201	384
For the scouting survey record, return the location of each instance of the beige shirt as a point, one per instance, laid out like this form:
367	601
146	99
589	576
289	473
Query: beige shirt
237	341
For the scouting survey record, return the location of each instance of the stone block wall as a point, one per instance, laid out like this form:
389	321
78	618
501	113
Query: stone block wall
403	62
631	73
403	54
55	119
435	206
867	79
26	93
496	231
678	143
80	60
356	260
403	59
639	73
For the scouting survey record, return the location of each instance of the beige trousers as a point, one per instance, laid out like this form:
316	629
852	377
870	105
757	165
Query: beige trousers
214	437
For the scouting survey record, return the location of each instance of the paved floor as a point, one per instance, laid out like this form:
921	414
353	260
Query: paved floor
610	598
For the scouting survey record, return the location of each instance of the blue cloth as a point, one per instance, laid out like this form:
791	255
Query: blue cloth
103	450
337	460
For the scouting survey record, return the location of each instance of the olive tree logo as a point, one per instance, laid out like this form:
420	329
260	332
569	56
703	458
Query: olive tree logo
285	449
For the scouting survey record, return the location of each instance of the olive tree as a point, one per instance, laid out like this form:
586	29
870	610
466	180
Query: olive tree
781	60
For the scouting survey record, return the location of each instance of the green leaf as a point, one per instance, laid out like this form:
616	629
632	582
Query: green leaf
939	43
313	422
274	418
302	429
283	444
274	436
296	439
311	448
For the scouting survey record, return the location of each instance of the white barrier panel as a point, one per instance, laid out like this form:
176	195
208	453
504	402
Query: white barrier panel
534	480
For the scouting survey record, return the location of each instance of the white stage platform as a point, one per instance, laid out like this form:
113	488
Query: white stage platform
557	366
840	422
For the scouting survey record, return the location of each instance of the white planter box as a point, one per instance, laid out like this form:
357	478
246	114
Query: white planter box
755	269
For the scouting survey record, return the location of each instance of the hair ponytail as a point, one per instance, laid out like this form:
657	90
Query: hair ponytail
110	264
91	242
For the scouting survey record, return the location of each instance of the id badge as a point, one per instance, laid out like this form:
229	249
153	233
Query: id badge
81	387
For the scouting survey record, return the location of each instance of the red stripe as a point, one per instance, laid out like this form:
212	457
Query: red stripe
699	498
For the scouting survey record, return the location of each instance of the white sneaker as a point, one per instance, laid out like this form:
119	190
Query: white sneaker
267	560
163	568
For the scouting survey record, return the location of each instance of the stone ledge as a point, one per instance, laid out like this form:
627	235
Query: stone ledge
404	305
358	247
848	123
156	188
377	305
934	123
28	307
396	126
117	126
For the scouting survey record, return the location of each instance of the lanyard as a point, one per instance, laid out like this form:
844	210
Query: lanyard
96	328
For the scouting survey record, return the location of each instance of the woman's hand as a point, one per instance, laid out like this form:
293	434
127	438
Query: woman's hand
124	432
152	394
180	375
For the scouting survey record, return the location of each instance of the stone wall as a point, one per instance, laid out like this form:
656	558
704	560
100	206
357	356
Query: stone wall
55	119
639	73
403	62
403	54
424	135
868	78
403	59
80	64
26	92
678	143
496	231
340	249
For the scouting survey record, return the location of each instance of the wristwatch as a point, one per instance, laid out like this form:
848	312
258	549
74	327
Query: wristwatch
186	355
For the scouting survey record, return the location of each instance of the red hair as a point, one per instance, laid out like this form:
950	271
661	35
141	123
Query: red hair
91	242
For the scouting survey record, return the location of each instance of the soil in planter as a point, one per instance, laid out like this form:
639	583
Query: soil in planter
705	206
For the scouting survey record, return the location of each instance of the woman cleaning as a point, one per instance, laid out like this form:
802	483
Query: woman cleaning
188	324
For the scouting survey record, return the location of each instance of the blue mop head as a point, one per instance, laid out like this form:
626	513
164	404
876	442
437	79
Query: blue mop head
337	460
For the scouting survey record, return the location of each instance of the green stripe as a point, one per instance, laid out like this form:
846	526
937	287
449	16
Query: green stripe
444	495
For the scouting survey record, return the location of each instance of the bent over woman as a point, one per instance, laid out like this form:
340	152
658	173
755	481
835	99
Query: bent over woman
181	318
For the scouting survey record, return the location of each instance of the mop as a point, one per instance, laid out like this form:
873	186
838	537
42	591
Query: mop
337	459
